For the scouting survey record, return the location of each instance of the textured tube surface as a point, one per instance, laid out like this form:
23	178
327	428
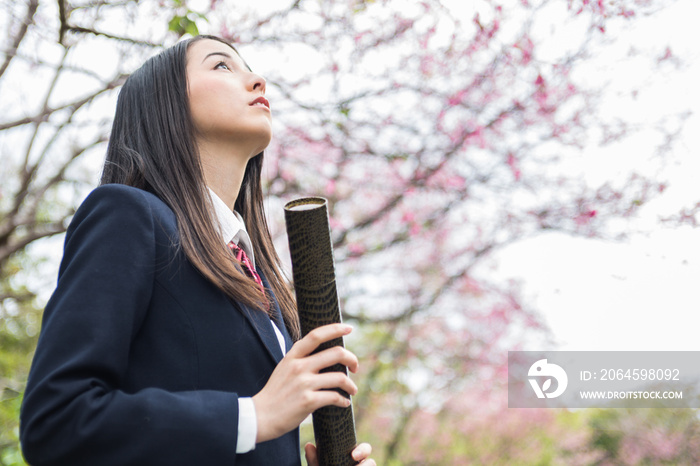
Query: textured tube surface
313	271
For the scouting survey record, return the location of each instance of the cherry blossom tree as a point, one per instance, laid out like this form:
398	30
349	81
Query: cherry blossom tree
439	131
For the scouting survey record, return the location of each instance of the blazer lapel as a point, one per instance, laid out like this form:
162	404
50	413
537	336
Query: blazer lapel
277	318
263	327
262	324
279	322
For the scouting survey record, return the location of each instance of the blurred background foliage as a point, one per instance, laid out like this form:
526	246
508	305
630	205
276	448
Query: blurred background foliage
19	329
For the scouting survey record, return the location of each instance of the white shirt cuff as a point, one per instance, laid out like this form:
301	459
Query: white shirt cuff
247	425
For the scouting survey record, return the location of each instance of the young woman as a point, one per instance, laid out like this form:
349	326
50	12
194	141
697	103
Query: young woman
159	345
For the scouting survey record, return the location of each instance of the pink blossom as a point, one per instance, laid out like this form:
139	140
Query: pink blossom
404	24
667	54
526	46
357	249
512	163
455	181
334	223
584	217
477	135
471	286
426	63
456	135
424	40
456	99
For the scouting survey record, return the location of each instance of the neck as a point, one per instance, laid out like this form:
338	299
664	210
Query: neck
223	167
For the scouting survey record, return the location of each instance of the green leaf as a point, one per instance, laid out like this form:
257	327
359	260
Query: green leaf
175	24
191	27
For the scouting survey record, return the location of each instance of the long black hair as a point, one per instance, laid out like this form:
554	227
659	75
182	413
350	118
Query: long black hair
152	147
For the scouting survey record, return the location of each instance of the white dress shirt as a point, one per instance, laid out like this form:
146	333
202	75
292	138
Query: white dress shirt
232	228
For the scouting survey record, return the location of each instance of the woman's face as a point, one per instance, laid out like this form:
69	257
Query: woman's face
226	98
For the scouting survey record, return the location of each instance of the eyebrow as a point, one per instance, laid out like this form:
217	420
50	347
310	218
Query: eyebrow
224	54
217	53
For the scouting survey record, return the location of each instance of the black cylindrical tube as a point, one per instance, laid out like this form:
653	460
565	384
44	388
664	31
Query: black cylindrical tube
313	270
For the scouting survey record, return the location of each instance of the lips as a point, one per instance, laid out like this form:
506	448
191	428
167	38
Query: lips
260	101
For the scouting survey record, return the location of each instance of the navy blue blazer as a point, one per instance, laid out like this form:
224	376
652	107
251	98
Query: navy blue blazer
140	359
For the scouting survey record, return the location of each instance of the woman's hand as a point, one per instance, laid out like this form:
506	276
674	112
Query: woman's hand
295	388
359	454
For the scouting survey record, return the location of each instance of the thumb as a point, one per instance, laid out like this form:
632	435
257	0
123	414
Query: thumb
310	452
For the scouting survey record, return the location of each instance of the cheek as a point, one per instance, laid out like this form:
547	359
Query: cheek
203	105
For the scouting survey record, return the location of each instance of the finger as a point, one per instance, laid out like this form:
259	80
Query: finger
310	452
316	337
362	451
332	356
329	380
321	398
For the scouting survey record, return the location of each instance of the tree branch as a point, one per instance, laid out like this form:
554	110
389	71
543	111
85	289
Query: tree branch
398	434
84	30
20	297
49	229
28	19
45	114
63	18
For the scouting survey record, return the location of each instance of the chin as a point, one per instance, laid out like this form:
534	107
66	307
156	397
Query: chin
264	143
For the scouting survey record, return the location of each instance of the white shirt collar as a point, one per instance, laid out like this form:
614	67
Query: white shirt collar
231	226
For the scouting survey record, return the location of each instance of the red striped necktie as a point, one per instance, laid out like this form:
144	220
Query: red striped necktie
242	257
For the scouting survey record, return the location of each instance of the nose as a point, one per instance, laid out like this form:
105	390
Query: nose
259	83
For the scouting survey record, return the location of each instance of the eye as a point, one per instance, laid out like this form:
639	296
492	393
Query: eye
223	65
